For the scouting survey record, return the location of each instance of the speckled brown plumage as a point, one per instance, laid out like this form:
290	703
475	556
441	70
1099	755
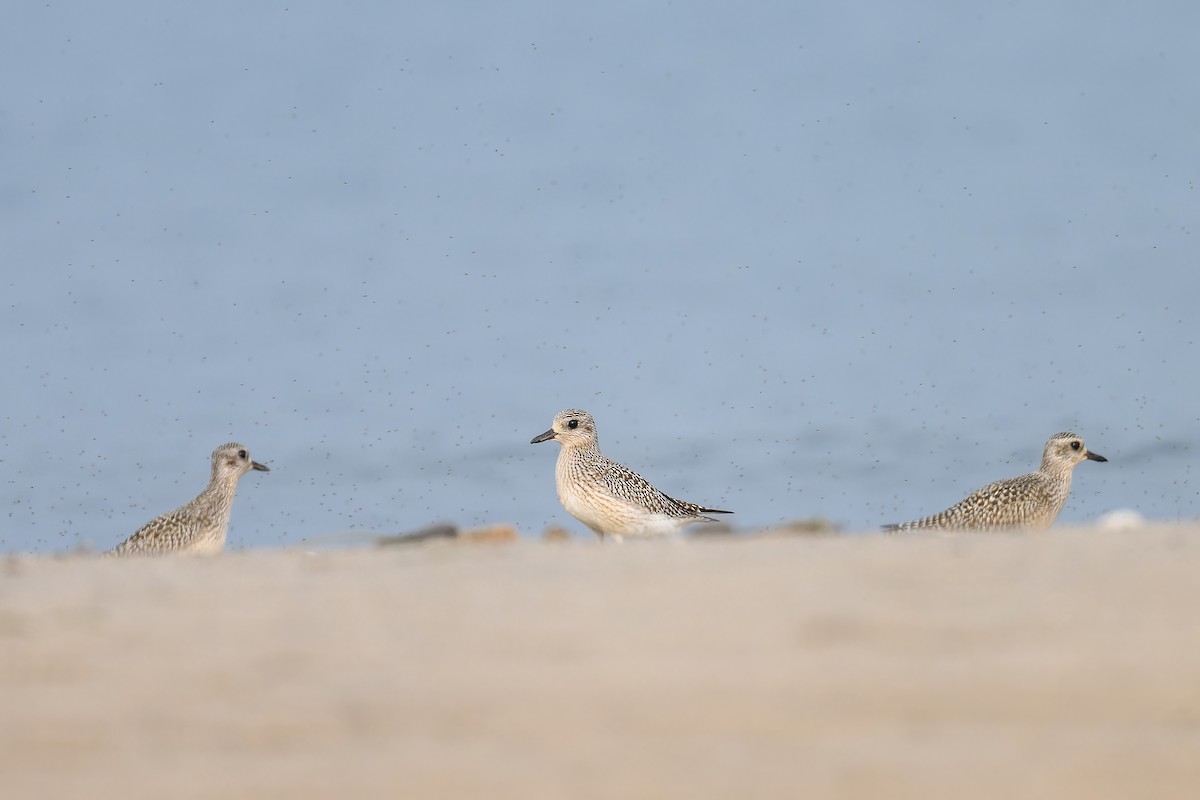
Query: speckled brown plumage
1033	500
198	528
608	497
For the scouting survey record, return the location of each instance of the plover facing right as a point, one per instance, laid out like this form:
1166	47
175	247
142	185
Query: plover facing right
1032	500
608	497
198	528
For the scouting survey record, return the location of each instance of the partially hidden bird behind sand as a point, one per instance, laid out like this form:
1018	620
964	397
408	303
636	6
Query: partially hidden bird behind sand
608	497
1033	500
198	528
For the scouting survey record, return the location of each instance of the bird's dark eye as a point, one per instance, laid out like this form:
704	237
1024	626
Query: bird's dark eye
1074	445
573	424
241	453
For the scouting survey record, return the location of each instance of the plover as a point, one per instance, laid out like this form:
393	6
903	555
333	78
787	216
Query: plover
1032	500
199	527
608	497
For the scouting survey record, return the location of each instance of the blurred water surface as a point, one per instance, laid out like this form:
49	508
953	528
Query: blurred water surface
849	261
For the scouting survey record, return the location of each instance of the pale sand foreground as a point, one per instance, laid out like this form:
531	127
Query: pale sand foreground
1060	665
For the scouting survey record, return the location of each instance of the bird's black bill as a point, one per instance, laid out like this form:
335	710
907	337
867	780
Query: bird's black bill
259	467
1095	456
543	437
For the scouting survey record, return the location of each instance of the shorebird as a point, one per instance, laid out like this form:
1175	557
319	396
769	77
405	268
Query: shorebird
199	527
1032	500
608	497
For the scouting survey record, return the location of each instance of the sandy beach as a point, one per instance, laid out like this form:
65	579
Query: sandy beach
1057	665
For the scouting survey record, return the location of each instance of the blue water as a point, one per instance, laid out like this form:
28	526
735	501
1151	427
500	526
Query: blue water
848	262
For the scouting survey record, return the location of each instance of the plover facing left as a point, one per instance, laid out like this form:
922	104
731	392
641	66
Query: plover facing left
608	497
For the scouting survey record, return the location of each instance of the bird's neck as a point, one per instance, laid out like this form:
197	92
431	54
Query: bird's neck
581	451
220	489
1057	470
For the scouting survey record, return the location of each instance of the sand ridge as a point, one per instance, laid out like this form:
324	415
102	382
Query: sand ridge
1063	664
